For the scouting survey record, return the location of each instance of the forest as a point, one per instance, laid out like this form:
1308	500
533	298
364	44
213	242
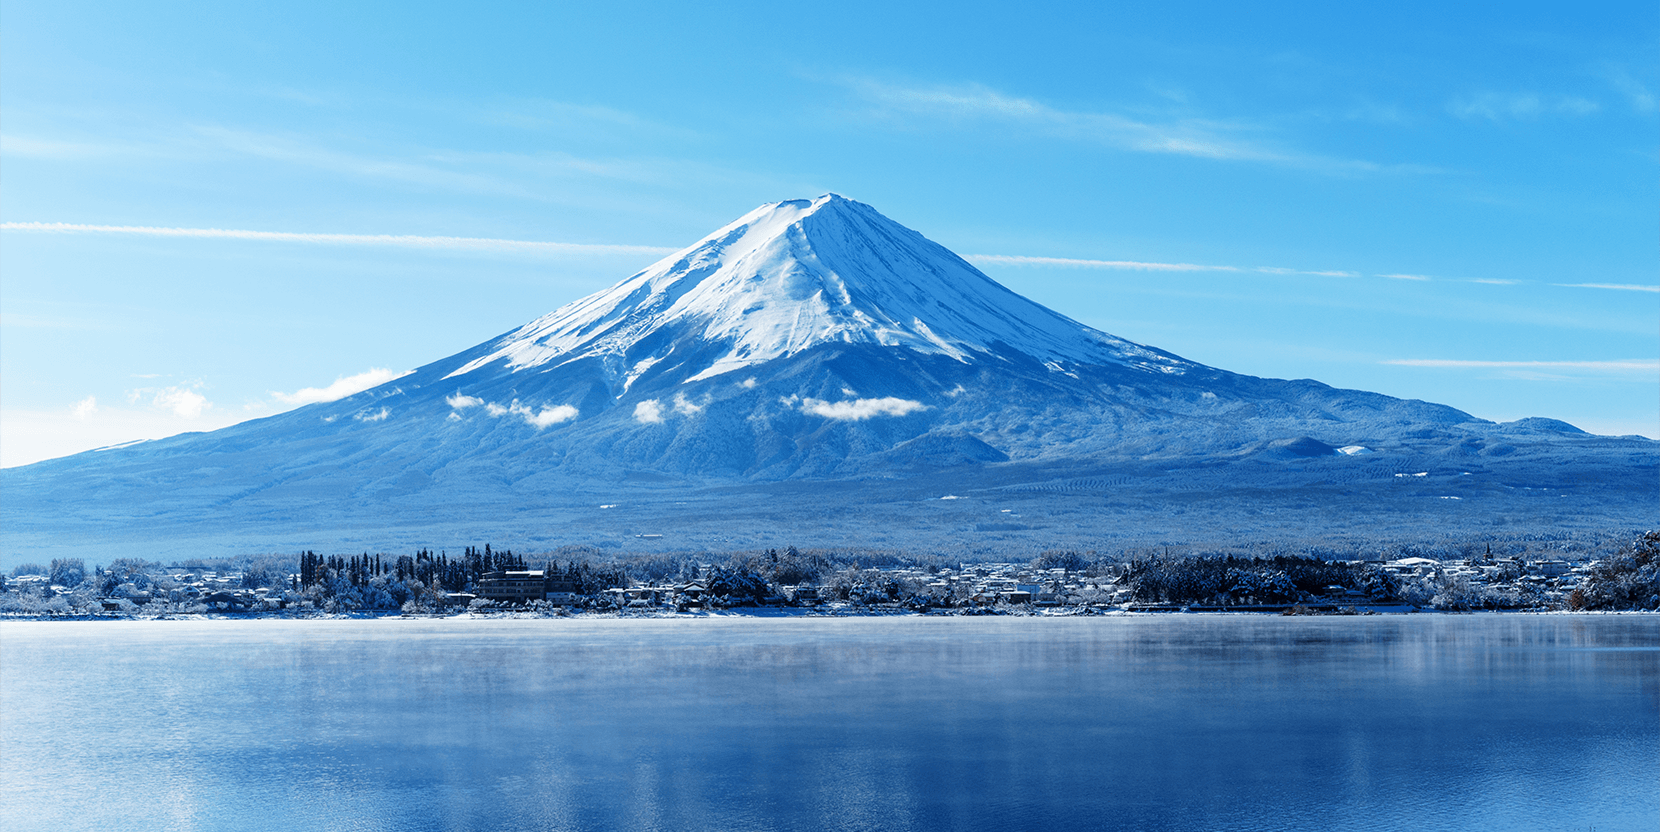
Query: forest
430	583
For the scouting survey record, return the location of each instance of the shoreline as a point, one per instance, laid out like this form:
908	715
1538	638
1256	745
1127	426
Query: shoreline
774	614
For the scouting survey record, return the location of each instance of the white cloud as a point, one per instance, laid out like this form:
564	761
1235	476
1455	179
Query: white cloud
749	384
1622	287
684	407
858	409
84	408
649	412
399	240
182	401
342	387
1417	277
372	415
460	401
545	417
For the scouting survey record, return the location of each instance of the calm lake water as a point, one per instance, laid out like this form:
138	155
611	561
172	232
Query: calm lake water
1179	722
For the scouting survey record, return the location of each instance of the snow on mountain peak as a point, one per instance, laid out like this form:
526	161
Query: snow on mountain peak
792	275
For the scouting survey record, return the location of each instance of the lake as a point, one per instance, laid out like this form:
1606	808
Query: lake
1152	722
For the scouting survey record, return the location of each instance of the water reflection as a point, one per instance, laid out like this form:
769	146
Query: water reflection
1166	722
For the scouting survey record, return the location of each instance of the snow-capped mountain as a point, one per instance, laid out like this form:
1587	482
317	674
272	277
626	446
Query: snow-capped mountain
809	341
794	275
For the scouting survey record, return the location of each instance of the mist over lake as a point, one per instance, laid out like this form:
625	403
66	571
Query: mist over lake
1138	722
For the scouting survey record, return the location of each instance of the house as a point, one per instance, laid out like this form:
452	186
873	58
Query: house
691	594
1548	568
560	588
1412	567
513	587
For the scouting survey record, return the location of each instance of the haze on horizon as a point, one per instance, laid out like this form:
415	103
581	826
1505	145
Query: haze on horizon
216	213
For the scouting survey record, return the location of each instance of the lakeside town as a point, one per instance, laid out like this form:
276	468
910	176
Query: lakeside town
483	581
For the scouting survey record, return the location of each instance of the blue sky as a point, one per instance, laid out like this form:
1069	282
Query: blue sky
1451	202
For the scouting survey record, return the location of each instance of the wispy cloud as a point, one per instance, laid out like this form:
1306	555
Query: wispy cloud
1524	106
491	244
543	176
12	320
424	171
1197	137
1619	287
400	240
1641	365
1314	273
1139	265
1017	260
12	144
342	387
1642	100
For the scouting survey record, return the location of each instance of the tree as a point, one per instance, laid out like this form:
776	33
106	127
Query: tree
68	572
738	585
1628	580
1069	561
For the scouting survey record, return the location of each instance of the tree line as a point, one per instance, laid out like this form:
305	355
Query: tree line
1629	579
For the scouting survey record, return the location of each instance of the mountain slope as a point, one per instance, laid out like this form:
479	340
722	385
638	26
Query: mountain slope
809	341
793	275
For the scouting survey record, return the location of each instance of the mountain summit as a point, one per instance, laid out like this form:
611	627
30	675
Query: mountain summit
794	275
828	356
